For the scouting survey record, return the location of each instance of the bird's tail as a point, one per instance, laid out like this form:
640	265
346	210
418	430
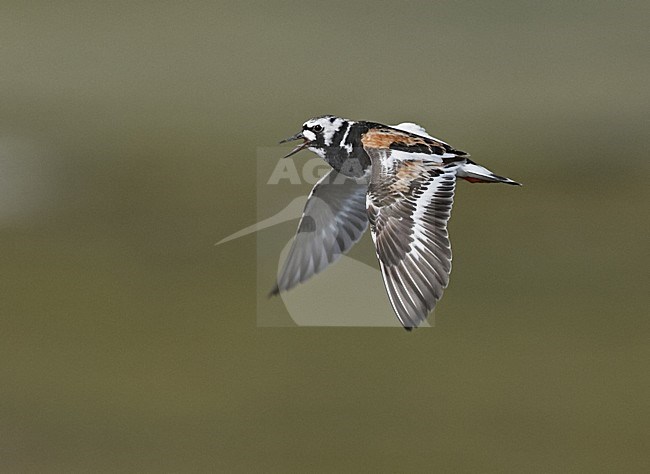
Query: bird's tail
474	173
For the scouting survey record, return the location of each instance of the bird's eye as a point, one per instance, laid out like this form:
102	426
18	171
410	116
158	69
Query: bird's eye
317	128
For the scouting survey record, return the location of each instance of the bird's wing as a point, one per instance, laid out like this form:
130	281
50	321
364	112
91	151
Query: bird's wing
409	203
333	220
415	129
405	144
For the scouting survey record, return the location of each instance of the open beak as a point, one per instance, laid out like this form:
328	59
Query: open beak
302	146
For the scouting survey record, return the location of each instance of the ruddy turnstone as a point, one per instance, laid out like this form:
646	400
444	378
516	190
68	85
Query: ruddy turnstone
401	181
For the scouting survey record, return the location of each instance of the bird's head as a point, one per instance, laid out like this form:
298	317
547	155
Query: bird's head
319	134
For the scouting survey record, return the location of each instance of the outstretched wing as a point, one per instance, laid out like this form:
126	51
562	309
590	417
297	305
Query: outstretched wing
333	220
409	204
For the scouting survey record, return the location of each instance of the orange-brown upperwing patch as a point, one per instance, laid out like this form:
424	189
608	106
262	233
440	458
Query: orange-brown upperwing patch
382	138
409	170
407	173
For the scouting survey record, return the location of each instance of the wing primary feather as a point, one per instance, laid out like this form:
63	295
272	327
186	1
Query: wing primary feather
333	220
408	204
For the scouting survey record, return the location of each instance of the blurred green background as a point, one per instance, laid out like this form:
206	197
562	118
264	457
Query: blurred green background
128	138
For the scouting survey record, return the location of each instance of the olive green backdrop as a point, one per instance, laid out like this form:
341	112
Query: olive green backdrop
128	144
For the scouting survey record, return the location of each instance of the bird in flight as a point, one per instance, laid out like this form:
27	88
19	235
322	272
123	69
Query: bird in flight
400	181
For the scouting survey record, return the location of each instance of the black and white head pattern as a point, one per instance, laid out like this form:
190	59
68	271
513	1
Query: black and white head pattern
325	132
